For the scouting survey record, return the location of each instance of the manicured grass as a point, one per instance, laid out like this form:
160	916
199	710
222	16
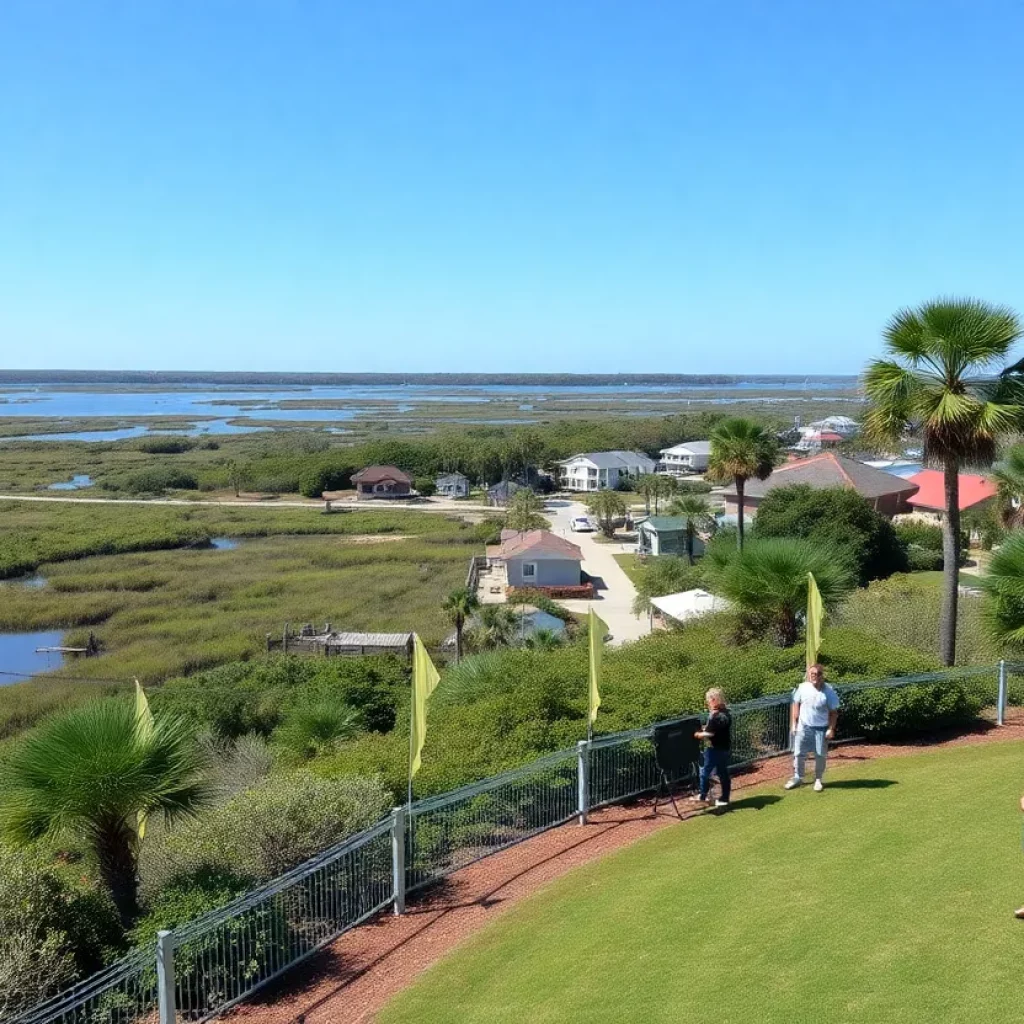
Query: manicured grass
631	566
887	899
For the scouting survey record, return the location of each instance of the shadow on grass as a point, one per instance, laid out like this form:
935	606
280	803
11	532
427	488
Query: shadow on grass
754	803
861	784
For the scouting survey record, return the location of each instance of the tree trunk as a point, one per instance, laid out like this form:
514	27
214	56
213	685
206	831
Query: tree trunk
739	511
116	859
950	562
689	543
459	624
786	628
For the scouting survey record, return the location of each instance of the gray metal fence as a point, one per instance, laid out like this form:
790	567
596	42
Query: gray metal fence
202	968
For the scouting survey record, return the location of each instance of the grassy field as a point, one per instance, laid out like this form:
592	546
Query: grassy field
162	613
887	899
631	566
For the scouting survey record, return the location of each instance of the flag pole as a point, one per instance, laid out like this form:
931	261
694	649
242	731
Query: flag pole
412	715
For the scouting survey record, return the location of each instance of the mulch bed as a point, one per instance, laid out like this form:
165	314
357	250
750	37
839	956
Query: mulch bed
354	977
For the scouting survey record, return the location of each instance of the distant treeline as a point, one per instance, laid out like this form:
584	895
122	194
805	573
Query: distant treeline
456	379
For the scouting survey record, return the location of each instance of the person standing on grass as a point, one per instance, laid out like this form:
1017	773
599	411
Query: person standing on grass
813	717
718	732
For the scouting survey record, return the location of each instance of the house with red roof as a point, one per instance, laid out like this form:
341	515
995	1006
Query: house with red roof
885	492
537	558
382	482
975	491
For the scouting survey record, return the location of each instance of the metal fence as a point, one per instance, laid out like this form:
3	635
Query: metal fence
204	967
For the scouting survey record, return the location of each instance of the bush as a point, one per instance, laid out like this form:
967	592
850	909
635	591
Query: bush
160	479
920	534
693	487
836	516
51	934
188	896
909	710
165	445
255	697
425	485
272	827
920	559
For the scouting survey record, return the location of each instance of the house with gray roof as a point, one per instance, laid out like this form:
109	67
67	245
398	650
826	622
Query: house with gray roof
596	471
452	485
885	493
683	459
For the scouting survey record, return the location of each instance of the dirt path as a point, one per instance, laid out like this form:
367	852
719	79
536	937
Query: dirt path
356	976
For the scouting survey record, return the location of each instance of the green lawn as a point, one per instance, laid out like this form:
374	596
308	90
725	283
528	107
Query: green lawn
631	566
887	898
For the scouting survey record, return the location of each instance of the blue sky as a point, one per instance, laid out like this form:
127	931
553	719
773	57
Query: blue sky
678	186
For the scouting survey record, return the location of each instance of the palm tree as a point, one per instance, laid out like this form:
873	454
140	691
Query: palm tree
1009	475
543	640
648	486
315	729
499	627
89	774
767	581
697	514
665	487
1004	584
942	378
460	606
608	506
741	449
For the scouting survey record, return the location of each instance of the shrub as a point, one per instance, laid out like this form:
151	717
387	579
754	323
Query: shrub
279	823
909	710
693	487
921	534
160	479
425	485
316	729
165	445
920	559
838	517
50	933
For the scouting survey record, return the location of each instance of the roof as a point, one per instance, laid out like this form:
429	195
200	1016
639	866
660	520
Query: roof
504	487
830	470
376	474
368	639
537	542
665	524
452	478
612	460
824	435
834	423
932	493
689	448
689	604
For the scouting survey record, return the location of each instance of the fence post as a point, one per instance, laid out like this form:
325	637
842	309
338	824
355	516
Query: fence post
398	858
583	780
1001	699
165	977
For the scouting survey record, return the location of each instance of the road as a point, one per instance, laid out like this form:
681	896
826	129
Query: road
614	601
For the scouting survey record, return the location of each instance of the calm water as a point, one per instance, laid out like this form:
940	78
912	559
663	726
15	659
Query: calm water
543	620
18	655
35	582
76	483
224	543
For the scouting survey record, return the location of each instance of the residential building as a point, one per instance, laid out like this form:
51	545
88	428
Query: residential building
683	459
688	604
841	425
975	492
885	493
596	471
452	485
382	482
500	494
537	558
665	535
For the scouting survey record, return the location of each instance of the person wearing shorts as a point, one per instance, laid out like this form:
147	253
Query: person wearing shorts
813	717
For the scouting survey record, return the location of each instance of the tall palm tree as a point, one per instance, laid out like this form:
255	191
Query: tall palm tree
741	449
767	581
648	486
1009	475
608	506
665	487
942	377
459	606
696	512
89	774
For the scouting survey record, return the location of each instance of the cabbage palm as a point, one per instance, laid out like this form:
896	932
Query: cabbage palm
740	450
767	581
697	515
608	506
459	606
89	774
648	486
1009	475
942	378
664	487
1004	584
315	729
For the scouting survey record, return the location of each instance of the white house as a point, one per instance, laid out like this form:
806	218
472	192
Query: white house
688	457
595	471
842	425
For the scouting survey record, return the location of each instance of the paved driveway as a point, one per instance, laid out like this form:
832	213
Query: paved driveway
614	600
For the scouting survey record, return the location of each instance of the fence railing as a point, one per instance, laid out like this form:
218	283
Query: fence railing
206	966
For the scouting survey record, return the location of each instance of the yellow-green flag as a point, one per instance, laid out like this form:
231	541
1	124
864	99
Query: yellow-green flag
815	613
424	682
144	725
597	630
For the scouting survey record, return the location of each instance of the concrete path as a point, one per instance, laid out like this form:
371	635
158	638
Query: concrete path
614	601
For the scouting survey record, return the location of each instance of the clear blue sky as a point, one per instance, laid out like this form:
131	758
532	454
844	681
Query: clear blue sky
538	185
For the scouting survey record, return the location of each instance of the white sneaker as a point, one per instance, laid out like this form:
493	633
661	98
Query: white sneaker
793	783
721	805
818	785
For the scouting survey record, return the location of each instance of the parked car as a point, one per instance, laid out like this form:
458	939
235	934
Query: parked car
580	524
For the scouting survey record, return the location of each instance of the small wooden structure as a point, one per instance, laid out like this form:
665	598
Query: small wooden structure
328	642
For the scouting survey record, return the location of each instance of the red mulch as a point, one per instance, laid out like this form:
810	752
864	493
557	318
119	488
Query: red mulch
358	974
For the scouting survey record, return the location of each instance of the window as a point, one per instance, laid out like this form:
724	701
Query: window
529	570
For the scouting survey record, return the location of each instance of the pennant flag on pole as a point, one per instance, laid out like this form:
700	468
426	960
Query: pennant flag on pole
424	682
815	613
597	631
144	725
